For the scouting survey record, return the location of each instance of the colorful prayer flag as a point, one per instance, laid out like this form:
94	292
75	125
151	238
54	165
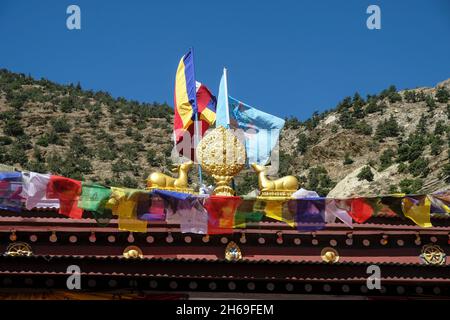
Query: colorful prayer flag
339	209
309	213
34	189
10	190
94	197
123	202
68	192
260	130
221	212
185	91
186	210
246	214
360	210
417	208
206	103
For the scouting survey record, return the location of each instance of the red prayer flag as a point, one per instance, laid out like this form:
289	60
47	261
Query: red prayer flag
68	192
221	211
360	210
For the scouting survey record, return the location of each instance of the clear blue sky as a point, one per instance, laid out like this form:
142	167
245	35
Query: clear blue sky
286	57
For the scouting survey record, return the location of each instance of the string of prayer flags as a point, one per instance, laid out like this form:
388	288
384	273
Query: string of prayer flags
221	212
309	213
68	192
10	190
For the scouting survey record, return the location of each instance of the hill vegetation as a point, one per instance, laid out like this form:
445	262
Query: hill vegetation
402	137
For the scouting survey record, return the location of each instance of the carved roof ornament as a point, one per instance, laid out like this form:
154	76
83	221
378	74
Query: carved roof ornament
433	254
19	249
132	252
329	255
233	252
221	155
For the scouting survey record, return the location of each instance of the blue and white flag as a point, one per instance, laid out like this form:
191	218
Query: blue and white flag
260	130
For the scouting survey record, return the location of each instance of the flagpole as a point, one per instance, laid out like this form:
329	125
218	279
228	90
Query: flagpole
226	96
233	184
196	129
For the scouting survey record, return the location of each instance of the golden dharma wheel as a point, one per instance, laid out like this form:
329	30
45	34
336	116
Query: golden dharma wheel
222	156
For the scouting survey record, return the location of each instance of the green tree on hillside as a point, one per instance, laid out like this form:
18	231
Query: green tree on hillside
365	174
387	128
442	95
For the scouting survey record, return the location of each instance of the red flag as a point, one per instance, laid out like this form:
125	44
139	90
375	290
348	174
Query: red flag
360	211
68	192
184	136
221	211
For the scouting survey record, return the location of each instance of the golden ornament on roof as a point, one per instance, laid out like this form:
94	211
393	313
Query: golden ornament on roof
433	254
132	252
222	156
280	188
233	252
19	249
158	180
329	255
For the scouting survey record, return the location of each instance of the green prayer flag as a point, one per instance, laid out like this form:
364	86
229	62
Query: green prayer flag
93	197
246	212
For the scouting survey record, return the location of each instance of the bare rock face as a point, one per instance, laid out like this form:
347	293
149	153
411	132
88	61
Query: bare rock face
351	186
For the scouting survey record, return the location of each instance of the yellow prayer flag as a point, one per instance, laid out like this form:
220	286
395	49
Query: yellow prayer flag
419	213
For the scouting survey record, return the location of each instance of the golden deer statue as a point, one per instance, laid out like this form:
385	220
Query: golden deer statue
281	187
158	180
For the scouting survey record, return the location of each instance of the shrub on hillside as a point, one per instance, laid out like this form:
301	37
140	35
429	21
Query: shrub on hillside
431	104
419	167
302	144
387	128
365	174
347	160
362	127
13	128
442	95
319	181
61	125
410	96
386	158
410	186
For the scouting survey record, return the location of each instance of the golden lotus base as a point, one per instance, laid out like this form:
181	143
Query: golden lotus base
276	195
181	190
223	191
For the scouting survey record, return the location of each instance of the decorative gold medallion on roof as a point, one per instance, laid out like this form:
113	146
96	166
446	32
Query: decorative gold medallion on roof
329	255
221	155
278	189
433	254
132	252
233	252
158	180
19	249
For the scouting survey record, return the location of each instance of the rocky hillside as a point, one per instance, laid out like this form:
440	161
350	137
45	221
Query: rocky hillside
385	143
392	141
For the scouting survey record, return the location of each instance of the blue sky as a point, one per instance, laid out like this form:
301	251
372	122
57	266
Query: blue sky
285	57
